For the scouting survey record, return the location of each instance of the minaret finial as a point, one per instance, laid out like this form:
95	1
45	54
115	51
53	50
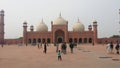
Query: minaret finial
60	14
42	19
78	20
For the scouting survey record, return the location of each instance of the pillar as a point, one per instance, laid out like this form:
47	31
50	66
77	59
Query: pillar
95	32
1	27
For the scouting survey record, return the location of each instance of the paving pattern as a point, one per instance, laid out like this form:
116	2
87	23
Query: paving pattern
84	56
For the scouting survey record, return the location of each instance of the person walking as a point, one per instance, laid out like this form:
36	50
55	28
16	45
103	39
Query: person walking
57	47
64	47
59	55
45	48
108	47
38	46
111	47
117	47
71	45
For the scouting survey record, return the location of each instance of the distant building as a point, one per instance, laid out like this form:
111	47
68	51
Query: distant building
59	33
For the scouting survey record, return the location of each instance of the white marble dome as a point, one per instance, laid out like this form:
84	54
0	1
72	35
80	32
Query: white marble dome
59	21
78	27
42	27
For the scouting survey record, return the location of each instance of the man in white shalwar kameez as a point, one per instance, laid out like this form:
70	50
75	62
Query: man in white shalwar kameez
108	48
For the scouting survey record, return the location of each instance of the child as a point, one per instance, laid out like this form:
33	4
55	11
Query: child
59	55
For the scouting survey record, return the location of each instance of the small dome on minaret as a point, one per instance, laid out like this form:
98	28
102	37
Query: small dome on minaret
94	21
89	27
2	12
31	28
24	24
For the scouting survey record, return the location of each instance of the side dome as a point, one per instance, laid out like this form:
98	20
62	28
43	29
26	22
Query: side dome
42	27
78	27
59	21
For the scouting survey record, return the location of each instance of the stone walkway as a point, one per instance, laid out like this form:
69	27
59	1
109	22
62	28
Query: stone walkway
84	56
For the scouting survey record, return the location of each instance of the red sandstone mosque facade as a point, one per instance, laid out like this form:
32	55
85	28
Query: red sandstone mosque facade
59	33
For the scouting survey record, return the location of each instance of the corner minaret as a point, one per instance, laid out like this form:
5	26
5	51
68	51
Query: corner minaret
95	32
25	33
1	27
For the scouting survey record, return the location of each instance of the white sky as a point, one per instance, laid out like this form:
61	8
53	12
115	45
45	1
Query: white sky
106	12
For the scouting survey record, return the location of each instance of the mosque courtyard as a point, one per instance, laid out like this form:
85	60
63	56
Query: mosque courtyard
84	56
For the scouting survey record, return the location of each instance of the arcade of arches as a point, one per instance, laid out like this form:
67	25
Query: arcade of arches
60	40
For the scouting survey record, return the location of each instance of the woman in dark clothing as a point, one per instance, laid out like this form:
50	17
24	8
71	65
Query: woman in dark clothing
64	47
45	48
71	45
117	47
111	47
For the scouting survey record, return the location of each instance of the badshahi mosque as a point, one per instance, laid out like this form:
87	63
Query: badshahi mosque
59	33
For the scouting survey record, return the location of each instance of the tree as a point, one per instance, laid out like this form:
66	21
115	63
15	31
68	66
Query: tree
115	36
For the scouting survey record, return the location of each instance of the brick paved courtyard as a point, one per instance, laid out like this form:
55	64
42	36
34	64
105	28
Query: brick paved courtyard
84	56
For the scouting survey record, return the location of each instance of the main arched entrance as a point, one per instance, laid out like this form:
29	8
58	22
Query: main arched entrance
60	39
59	36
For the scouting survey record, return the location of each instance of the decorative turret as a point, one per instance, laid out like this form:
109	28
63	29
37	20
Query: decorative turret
31	28
2	13
2	27
51	22
90	27
25	26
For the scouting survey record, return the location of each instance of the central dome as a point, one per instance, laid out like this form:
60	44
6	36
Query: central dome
78	27
42	27
59	21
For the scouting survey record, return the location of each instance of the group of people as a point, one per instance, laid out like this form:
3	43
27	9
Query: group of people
63	49
110	47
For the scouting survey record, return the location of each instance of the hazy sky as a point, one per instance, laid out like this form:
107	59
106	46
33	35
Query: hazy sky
105	12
